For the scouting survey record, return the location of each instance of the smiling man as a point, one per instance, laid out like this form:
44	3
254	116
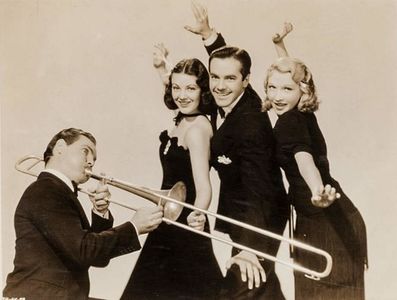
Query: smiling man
242	151
251	189
55	244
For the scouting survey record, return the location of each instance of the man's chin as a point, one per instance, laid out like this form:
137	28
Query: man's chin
224	101
84	179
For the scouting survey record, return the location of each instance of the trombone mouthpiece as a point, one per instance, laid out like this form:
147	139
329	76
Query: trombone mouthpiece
91	174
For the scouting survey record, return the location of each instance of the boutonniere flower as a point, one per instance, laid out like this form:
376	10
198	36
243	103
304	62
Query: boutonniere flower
224	160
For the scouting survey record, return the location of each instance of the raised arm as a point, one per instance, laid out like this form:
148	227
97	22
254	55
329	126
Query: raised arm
321	196
202	26
278	40
212	40
161	63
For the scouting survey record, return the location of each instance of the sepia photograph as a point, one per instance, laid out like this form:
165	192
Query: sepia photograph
197	149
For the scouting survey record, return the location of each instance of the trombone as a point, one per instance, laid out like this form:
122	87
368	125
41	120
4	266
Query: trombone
173	201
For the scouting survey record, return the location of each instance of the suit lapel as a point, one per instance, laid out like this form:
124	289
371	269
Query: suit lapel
226	137
83	217
240	107
69	194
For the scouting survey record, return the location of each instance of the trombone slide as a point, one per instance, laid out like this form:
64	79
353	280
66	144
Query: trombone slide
167	198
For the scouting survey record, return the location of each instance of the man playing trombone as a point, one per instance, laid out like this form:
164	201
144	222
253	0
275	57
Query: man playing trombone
55	244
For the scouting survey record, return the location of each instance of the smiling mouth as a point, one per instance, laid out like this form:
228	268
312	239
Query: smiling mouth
184	102
280	105
222	95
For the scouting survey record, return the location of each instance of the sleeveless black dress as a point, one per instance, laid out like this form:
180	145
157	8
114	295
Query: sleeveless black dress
338	229
175	263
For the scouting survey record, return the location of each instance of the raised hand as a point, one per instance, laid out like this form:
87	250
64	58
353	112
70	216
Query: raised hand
325	197
161	63
250	268
160	54
278	37
202	26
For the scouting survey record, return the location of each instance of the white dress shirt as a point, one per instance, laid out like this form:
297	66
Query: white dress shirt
227	110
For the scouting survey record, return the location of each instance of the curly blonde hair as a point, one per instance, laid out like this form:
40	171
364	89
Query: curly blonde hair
301	75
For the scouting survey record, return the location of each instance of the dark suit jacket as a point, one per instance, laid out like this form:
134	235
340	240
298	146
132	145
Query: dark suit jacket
55	244
251	188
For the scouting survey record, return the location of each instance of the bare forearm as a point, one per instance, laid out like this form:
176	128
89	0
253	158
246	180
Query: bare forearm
278	40
203	197
280	49
309	172
164	74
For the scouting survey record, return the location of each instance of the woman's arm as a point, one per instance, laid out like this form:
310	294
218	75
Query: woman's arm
161	63
321	196
197	140
278	40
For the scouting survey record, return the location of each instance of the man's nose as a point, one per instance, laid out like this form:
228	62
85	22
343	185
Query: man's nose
90	161
220	84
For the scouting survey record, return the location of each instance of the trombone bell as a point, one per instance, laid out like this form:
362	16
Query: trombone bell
172	209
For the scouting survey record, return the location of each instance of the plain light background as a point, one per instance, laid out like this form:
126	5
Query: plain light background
88	64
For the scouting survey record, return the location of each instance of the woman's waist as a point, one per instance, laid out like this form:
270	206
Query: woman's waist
300	196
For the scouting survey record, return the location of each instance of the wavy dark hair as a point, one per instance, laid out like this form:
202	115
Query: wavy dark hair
69	135
194	67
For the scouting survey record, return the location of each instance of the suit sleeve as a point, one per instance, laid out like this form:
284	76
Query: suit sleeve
260	192
219	42
55	216
99	224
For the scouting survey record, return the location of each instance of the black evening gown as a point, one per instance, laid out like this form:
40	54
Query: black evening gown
175	263
339	229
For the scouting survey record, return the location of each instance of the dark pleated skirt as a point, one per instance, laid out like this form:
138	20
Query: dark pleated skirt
346	280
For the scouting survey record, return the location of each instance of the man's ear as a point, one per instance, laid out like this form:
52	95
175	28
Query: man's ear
246	80
59	147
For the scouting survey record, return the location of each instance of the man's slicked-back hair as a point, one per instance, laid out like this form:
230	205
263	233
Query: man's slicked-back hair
69	135
233	52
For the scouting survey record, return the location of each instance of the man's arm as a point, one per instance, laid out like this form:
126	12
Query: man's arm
54	214
212	40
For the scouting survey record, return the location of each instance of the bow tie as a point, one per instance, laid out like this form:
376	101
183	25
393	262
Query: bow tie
75	188
221	112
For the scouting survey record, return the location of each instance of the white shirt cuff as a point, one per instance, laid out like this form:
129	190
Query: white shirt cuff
136	229
105	215
211	39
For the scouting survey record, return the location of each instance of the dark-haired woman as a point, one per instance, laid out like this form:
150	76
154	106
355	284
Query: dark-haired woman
176	263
